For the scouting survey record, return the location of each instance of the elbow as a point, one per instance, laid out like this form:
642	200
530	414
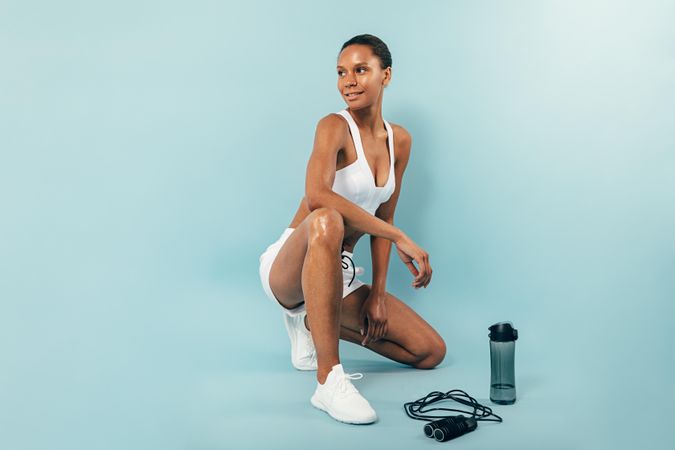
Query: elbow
313	201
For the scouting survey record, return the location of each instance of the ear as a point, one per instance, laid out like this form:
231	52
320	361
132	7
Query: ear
387	76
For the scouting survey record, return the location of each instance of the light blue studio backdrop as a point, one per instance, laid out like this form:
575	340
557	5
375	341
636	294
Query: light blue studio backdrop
150	151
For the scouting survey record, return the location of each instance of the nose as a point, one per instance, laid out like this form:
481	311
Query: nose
349	81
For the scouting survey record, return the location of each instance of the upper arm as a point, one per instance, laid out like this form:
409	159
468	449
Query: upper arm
402	146
328	140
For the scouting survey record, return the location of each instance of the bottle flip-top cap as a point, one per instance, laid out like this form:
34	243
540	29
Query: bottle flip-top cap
503	332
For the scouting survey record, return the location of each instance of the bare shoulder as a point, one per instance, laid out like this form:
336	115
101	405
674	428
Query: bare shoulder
402	142
329	137
332	124
401	135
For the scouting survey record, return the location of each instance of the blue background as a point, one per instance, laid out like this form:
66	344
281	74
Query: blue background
150	151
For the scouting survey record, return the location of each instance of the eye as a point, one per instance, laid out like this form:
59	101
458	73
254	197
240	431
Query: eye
341	72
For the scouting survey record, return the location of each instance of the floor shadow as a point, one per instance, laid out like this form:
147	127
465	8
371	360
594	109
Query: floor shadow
386	366
527	384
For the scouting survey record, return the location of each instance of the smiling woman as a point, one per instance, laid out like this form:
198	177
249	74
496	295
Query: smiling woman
352	186
381	58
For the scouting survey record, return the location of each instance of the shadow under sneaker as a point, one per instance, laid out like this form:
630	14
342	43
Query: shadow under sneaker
341	400
303	353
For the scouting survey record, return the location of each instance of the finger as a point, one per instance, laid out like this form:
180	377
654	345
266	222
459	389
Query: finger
380	331
373	333
376	334
369	336
412	268
425	263
419	281
430	272
425	260
420	268
416	273
366	330
425	271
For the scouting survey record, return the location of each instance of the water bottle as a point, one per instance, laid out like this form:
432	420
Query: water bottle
502	351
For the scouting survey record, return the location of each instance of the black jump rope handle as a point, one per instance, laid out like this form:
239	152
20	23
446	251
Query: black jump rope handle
449	427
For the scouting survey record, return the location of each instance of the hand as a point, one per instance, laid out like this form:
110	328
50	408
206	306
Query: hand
408	251
373	318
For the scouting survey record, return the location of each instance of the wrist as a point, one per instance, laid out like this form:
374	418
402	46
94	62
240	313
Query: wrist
377	289
398	235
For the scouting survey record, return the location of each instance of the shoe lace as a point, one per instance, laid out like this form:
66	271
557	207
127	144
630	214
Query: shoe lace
345	386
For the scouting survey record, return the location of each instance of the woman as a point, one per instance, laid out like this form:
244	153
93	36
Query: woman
353	182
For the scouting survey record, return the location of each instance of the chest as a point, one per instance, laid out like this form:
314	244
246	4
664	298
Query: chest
376	153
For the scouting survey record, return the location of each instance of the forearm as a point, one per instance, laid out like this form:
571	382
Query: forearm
355	216
380	249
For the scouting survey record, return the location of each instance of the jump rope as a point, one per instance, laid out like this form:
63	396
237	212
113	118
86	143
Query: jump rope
444	428
346	266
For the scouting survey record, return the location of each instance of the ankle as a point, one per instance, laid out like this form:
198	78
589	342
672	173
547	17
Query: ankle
323	371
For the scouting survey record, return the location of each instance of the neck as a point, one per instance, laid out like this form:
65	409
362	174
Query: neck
369	118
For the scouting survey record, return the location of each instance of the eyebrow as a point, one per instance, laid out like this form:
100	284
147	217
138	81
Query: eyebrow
362	63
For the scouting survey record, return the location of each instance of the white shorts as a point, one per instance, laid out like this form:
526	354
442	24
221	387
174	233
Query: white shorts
350	282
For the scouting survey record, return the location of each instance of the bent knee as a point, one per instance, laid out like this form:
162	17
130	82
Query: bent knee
434	356
326	223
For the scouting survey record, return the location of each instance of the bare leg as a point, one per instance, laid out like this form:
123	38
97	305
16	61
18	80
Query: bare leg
384	347
308	266
322	289
409	338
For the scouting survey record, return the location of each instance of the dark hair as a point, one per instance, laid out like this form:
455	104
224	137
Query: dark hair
379	48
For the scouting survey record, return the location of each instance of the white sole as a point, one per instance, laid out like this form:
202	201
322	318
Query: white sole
317	404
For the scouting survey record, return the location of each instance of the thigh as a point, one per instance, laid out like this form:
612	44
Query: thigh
404	326
286	271
285	276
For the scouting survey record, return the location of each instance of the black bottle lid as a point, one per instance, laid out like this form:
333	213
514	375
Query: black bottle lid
503	332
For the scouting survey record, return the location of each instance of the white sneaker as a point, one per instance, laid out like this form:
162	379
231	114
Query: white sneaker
303	353
341	400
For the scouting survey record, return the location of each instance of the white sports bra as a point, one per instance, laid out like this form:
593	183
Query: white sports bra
356	182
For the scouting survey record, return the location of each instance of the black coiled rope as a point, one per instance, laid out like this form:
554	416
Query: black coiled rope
415	410
346	266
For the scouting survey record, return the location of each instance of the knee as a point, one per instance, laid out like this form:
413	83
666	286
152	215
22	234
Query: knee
326	225
434	355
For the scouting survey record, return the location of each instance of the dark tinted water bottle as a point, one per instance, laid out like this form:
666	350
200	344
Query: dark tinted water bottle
502	354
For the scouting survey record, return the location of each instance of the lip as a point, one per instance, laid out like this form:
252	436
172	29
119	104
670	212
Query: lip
356	94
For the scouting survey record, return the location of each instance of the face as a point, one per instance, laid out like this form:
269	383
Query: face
359	72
